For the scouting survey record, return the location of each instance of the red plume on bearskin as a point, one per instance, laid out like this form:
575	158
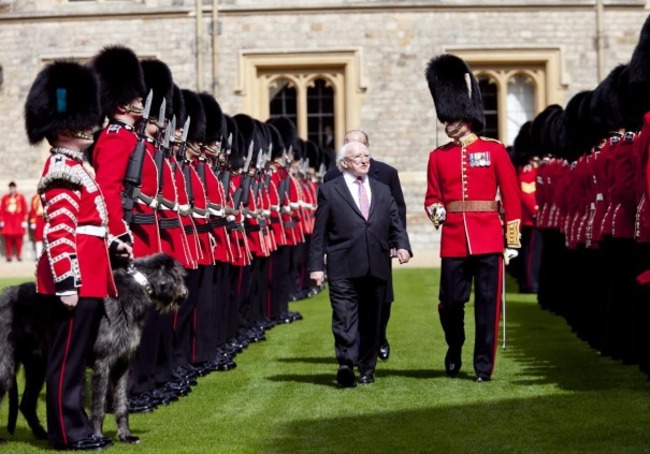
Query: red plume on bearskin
63	97
194	109
455	91
121	77
158	77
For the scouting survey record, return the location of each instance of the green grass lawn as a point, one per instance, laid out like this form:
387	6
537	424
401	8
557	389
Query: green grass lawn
550	393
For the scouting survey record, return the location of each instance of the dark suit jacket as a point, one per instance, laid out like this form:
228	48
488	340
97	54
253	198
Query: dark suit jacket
381	171
355	247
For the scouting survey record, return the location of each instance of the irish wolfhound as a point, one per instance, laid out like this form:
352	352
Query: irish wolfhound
154	281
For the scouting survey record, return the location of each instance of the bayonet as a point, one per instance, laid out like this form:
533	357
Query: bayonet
146	113
247	163
161	114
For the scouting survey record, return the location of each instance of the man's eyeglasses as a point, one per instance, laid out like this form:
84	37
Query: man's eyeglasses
358	157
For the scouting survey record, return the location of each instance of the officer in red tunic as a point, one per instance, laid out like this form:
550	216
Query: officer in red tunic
13	221
63	107
463	179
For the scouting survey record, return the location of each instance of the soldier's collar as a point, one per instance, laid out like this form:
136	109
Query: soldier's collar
72	154
126	126
467	140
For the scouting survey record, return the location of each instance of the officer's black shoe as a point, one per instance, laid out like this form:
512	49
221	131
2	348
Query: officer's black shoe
345	377
141	405
366	379
384	351
452	364
85	444
481	378
295	316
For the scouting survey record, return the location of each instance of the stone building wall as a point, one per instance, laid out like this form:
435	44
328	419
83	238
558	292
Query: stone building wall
396	38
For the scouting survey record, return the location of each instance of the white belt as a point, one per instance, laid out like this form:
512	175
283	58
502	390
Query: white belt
93	230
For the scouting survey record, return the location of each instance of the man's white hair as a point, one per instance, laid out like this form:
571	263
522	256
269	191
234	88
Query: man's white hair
346	149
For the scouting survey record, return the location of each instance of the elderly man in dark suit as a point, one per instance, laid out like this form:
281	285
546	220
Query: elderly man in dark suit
388	175
356	222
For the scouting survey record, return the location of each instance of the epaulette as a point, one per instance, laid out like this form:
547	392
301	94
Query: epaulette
60	174
490	139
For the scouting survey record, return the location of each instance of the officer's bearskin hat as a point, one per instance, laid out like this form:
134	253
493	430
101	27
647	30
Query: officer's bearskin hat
121	78
178	107
455	91
577	123
158	77
523	149
194	110
215	123
631	114
606	113
639	71
287	129
276	140
63	97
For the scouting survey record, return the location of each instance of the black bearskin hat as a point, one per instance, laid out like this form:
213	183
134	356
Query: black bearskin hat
63	97
247	128
539	130
523	149
287	130
276	140
577	125
639	71
455	91
158	77
178	106
194	110
121	79
215	123
605	104
312	153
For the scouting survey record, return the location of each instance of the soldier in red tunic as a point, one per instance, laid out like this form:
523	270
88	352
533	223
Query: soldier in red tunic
463	179
13	221
36	224
63	107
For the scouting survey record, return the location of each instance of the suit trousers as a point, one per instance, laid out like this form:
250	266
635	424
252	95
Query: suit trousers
70	336
456	277
356	306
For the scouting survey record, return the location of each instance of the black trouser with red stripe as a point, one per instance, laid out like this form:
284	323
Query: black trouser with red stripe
456	276
71	334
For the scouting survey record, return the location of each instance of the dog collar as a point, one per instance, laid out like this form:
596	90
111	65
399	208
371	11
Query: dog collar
140	279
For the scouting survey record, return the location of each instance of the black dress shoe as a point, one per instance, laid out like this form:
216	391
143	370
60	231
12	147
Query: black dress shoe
452	364
481	378
384	351
345	377
85	444
366	379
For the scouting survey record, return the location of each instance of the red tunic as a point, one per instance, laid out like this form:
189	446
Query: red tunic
277	228
13	215
473	172
110	160
216	203
201	217
75	254
36	218
623	190
527	177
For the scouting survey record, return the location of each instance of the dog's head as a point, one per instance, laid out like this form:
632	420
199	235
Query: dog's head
165	280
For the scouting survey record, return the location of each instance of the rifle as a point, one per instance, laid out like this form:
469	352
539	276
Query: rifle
133	177
159	157
241	193
182	162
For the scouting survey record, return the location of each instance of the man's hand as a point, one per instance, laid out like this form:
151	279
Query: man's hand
318	277
437	214
509	254
124	251
23	225
403	256
70	301
393	252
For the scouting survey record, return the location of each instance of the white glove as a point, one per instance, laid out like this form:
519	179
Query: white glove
23	224
510	254
437	214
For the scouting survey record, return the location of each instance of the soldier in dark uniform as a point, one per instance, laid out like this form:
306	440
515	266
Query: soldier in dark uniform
63	107
463	177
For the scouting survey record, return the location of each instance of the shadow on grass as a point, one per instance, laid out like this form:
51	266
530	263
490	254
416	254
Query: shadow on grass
309	360
561	423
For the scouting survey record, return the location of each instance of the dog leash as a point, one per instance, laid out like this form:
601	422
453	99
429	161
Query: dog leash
140	278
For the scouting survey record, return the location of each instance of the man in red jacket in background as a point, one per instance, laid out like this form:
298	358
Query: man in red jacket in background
463	178
13	221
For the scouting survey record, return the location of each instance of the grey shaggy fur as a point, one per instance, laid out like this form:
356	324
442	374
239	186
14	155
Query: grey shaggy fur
23	317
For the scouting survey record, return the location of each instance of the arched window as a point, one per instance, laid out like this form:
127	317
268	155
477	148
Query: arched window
488	88
320	91
521	103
